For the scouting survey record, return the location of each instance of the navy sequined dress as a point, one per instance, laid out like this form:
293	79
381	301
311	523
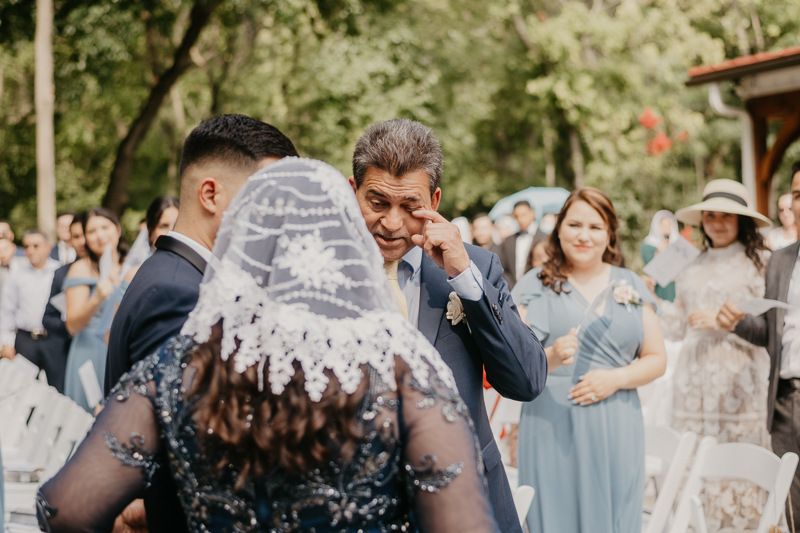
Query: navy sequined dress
417	469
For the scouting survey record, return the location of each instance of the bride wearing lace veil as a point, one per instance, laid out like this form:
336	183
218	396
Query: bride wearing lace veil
297	399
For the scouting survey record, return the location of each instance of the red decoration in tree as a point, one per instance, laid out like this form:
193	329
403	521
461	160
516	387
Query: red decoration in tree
648	119
660	143
682	136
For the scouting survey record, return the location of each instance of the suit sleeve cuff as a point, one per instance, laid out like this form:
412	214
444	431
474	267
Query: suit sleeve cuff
469	284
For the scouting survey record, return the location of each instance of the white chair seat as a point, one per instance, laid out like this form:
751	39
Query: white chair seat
736	461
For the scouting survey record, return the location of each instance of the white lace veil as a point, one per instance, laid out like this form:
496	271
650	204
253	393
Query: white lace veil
296	276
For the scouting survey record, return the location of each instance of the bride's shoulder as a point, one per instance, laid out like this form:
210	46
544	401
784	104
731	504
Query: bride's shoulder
162	366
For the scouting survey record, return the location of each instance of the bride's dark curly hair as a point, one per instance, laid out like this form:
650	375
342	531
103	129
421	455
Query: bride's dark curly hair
556	268
258	431
754	244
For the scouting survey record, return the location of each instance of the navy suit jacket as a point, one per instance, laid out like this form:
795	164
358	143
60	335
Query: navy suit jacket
515	362
156	305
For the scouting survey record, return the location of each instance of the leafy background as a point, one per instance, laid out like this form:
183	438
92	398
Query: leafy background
519	92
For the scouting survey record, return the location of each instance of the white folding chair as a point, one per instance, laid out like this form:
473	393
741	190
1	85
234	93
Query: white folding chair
523	498
667	455
20	497
44	429
80	422
36	396
739	461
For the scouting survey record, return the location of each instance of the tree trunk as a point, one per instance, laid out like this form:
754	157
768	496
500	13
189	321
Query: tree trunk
699	174
45	135
577	157
548	140
757	32
116	198
175	140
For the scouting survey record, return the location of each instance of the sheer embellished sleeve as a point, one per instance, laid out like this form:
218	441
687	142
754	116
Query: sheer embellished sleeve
113	464
442	459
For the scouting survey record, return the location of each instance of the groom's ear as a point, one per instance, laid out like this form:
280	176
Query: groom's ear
208	192
352	181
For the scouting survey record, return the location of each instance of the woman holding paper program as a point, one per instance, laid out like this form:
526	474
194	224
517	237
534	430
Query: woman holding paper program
720	383
87	296
583	439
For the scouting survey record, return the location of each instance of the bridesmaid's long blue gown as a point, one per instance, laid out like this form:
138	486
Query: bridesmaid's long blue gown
586	463
87	345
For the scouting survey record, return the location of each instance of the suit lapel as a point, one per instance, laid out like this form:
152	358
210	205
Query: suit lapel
433	296
785	270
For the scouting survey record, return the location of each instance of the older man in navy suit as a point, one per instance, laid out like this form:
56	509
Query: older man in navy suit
397	167
218	157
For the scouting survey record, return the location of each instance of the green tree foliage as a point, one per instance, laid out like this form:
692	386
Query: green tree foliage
589	91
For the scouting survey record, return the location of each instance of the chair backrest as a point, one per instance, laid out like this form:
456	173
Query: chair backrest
43	429
738	461
78	424
36	396
523	498
675	452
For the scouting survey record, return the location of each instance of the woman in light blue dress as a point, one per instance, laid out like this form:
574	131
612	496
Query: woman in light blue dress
88	296
581	443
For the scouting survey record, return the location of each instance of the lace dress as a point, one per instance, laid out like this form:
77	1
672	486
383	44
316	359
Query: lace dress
720	383
419	455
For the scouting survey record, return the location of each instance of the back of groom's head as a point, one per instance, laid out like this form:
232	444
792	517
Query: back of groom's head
236	141
218	157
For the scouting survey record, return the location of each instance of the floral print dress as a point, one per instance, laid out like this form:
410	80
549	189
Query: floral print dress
720	383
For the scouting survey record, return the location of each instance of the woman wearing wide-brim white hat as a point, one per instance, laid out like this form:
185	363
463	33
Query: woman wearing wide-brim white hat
723	196
720	381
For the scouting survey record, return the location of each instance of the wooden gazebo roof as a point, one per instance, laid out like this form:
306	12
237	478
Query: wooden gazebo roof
744	66
769	83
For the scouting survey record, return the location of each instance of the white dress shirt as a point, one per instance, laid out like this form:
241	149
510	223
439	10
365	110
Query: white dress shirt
24	297
790	350
467	285
204	252
66	253
523	248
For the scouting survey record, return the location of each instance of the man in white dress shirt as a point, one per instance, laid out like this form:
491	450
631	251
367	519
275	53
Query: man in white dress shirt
24	297
779	332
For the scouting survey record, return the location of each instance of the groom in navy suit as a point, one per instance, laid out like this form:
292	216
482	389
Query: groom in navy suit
397	166
217	158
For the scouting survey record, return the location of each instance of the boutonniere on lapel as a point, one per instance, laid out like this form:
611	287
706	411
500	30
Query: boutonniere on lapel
455	310
626	295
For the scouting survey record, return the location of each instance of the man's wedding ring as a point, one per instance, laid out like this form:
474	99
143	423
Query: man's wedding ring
593	397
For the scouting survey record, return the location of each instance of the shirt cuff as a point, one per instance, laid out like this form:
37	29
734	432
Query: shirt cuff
8	338
469	284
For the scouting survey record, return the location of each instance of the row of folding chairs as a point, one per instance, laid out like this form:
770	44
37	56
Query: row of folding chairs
669	454
39	431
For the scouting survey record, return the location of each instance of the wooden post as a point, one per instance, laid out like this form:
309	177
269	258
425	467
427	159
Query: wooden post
45	135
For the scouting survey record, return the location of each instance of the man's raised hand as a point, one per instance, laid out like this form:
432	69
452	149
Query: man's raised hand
441	241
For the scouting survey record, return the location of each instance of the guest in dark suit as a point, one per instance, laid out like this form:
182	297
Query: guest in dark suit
52	319
779	332
453	292
218	157
515	249
64	251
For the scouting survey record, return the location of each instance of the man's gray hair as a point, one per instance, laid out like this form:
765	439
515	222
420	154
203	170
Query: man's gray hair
399	146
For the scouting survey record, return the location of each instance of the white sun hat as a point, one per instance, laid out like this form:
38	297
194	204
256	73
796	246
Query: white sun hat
724	196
